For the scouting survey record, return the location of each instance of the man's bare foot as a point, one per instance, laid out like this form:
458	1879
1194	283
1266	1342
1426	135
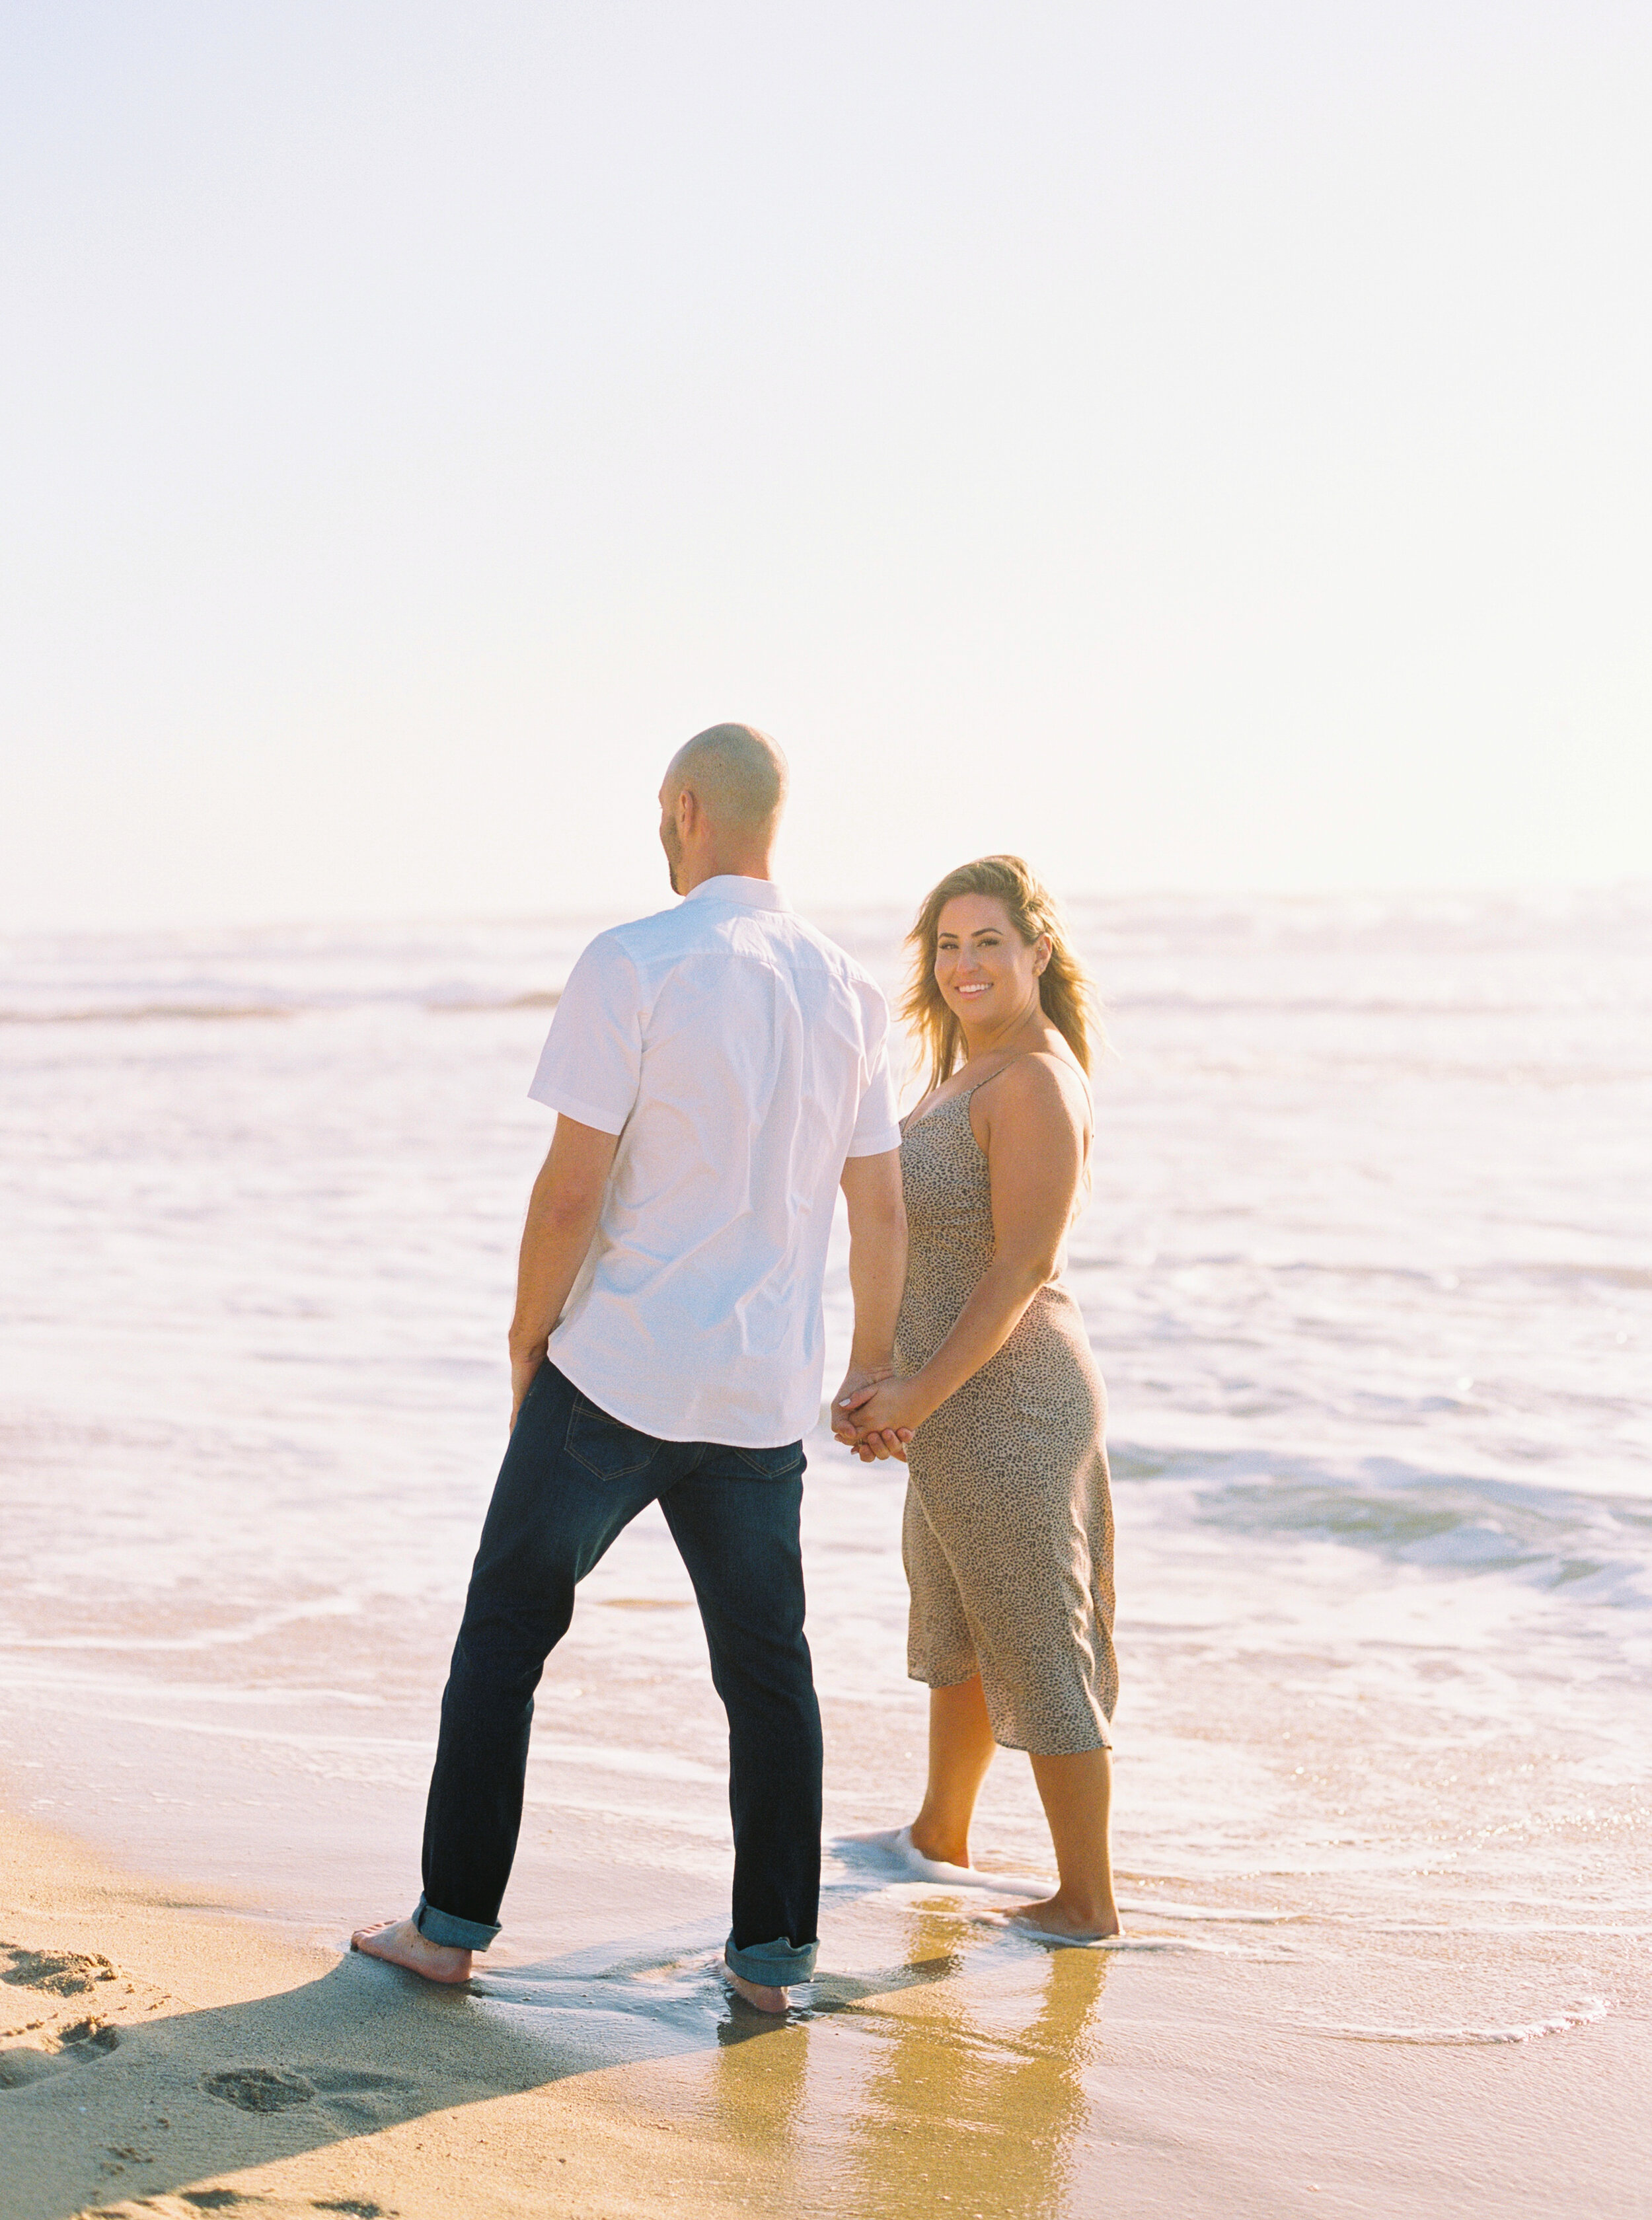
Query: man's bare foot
765	1999
1052	1918
399	1942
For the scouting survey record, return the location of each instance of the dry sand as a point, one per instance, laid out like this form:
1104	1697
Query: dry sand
160	2055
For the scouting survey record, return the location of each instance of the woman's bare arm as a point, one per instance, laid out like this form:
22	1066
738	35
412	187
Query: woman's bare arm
1033	1135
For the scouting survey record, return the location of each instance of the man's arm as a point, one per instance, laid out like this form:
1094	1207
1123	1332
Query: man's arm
877	1269
562	1214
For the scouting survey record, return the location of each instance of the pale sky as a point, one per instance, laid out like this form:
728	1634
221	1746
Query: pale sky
1199	445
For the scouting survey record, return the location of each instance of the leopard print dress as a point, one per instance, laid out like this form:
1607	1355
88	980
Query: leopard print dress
1008	1532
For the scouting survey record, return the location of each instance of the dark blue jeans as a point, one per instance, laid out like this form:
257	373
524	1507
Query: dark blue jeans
571	1480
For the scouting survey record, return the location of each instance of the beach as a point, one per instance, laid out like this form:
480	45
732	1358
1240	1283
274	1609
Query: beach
1365	1269
164	2057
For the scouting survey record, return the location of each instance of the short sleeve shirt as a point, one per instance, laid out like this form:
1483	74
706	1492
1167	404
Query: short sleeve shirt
741	1057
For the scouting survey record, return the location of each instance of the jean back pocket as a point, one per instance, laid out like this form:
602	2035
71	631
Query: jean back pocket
605	1447
773	1464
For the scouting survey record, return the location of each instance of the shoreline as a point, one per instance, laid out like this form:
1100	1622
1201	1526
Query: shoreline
165	2052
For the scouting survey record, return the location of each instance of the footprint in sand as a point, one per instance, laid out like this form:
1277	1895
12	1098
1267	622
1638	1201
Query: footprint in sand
79	2045
188	2204
258	2088
364	2099
54	1973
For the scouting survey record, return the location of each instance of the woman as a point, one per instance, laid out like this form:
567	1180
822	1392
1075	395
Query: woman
1008	1535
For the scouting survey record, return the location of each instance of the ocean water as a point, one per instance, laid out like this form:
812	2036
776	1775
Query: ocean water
1367	1269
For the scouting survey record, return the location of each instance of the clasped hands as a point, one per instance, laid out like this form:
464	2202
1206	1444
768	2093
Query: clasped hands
875	1414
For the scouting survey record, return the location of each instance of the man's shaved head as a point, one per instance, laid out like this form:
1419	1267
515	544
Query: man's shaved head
737	774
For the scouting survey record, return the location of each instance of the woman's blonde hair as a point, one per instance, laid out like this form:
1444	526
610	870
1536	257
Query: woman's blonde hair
1065	987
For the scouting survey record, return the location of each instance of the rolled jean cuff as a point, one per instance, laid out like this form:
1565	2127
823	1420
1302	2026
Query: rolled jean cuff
459	1934
772	1965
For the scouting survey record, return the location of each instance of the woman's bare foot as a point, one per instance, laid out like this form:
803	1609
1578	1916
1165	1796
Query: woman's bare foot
901	1859
936	1849
765	1999
1051	1916
399	1942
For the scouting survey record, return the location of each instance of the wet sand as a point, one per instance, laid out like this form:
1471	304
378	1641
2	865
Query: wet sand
159	2054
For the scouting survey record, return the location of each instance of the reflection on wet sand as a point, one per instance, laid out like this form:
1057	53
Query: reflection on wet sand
952	2082
974	2099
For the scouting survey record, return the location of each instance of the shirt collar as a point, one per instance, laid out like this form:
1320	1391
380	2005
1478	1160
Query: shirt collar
750	894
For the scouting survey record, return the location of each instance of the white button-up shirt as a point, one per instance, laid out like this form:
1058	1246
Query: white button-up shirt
740	1056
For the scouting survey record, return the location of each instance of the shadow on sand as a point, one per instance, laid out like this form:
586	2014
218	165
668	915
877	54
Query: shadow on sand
159	2106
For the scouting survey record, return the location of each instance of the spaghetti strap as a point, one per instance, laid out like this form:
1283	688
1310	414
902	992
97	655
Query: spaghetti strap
910	1124
970	1092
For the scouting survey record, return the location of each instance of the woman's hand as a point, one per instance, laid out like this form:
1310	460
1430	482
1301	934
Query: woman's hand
879	1419
860	1380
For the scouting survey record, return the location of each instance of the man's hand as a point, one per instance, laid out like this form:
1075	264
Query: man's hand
877	1273
869	1445
524	1368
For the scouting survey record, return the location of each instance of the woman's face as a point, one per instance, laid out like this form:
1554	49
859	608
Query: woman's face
988	974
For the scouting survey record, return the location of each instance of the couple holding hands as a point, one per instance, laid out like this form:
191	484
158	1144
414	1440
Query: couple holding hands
717	1071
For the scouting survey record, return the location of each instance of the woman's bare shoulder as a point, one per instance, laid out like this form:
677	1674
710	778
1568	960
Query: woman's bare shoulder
1039	1085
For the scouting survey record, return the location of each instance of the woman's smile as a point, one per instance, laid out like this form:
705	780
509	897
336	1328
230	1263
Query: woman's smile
980	958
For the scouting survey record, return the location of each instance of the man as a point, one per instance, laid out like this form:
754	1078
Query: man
717	1071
